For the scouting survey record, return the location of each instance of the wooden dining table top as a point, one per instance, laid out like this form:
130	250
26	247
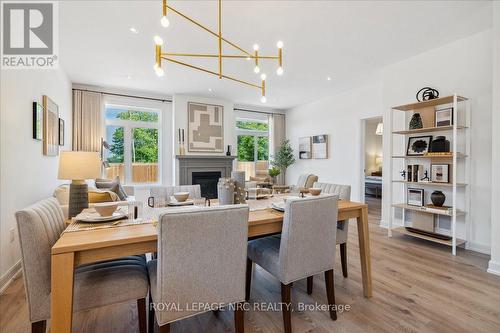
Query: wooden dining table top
92	239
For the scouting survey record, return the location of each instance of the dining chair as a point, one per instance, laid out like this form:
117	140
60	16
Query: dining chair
306	180
168	191
306	247
95	285
344	193
201	260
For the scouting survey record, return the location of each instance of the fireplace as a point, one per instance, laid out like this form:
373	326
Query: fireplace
208	183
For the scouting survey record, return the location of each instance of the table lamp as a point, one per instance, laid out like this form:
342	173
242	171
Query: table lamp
78	166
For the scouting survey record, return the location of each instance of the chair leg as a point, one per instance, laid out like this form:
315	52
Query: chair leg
343	258
248	283
164	329
39	326
141	315
330	293
151	316
287	313
239	318
310	280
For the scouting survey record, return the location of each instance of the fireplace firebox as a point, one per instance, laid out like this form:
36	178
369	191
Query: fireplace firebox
208	183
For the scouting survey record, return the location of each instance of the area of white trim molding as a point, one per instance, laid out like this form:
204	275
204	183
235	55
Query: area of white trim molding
9	276
494	268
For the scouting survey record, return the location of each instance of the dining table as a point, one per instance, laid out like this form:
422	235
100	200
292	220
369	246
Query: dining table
88	246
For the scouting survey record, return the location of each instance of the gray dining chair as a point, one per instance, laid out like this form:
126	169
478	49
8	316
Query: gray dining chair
306	247
201	260
167	191
344	193
95	285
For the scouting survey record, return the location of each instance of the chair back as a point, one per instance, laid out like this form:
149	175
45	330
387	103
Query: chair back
168	191
201	258
308	237
39	227
343	191
307	180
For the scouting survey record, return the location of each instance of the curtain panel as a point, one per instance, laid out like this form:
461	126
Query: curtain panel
277	134
87	120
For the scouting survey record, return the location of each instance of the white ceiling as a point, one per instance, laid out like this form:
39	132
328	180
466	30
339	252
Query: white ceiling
345	40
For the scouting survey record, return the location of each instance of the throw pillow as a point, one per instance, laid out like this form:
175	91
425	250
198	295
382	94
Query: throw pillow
112	185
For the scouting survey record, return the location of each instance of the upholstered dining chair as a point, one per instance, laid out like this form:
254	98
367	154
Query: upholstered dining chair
306	247
201	260
167	191
95	285
344	193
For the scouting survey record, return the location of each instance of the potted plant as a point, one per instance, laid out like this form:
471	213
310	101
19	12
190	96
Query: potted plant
274	172
283	157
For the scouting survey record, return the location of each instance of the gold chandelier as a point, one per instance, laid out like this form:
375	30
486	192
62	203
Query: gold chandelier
243	54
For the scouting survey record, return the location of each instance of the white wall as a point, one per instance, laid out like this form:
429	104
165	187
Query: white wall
339	117
26	175
494	265
463	66
180	103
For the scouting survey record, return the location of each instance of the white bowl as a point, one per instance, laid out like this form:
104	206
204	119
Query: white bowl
105	208
181	196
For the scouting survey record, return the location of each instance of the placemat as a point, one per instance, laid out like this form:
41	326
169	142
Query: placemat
84	226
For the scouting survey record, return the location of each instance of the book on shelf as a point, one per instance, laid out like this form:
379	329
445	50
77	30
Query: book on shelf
438	209
449	153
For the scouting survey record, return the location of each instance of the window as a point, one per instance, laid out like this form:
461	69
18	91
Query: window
252	130
132	135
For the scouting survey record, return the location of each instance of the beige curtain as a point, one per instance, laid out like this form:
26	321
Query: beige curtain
87	120
277	135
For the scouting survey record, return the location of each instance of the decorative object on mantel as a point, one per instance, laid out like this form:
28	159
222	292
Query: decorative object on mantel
438	198
182	149
243	54
205	128
61	132
440	145
50	127
228	152
37	121
418	145
416	121
320	146
78	166
305	148
426	94
283	157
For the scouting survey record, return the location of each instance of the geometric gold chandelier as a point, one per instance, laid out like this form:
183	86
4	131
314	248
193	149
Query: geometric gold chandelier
242	53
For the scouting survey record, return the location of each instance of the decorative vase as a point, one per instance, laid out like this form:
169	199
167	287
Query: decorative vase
416	121
225	191
228	153
440	145
438	198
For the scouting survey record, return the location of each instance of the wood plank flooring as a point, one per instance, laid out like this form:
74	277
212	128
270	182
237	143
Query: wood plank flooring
418	287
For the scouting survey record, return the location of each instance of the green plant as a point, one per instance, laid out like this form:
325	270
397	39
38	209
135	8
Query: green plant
274	171
283	157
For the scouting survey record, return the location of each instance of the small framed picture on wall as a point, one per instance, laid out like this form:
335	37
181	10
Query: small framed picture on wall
440	173
305	148
415	197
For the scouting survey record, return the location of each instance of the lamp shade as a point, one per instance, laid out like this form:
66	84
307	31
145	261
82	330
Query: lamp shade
79	165
380	129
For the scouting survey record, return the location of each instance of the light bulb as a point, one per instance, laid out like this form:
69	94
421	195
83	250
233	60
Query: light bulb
255	47
158	40
248	58
165	22
279	71
263	99
279	44
159	71
256	69
263	76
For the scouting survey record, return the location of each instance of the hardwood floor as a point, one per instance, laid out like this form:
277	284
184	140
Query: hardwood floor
418	287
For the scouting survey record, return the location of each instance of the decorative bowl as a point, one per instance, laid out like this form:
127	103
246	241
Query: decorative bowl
105	208
315	191
181	196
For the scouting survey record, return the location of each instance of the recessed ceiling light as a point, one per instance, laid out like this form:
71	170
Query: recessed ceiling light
210	89
133	30
129	77
328	78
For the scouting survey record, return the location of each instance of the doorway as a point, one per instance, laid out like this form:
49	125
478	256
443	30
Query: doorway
372	164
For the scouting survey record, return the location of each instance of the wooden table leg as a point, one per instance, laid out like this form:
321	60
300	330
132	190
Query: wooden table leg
62	278
364	251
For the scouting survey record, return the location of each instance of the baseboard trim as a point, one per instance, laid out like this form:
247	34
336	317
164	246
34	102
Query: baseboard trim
494	268
477	247
9	276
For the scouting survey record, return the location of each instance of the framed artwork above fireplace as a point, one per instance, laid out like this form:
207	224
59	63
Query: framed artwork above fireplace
205	128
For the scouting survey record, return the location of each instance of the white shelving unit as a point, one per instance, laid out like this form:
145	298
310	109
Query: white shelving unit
457	190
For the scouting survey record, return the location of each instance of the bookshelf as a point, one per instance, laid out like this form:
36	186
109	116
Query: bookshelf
452	222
